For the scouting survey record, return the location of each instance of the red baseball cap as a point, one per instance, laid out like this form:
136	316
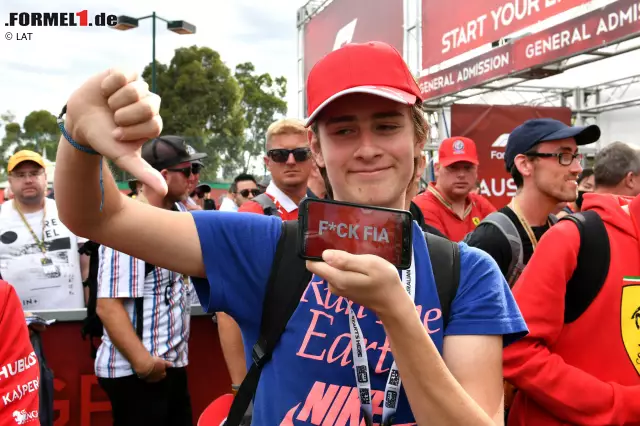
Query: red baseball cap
454	150
373	67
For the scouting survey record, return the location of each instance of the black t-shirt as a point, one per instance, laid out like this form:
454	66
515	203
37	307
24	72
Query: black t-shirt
491	240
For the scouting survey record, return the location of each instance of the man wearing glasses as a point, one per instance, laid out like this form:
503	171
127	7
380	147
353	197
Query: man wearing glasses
38	254
289	161
145	310
542	157
187	202
39	257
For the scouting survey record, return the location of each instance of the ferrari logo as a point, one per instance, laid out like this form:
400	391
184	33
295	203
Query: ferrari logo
475	220
630	319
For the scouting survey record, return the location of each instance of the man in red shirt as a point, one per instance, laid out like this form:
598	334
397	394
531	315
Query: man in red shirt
289	161
583	371
451	205
19	368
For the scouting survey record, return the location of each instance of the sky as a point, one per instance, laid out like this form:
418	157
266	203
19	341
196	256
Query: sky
42	72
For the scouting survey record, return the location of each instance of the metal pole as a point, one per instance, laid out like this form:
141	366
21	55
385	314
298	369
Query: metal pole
153	63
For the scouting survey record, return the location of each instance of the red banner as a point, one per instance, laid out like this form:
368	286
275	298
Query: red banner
347	21
453	27
489	127
613	23
79	400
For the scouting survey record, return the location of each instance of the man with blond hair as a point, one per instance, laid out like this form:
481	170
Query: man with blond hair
288	160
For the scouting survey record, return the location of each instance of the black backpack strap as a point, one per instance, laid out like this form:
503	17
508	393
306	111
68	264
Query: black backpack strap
287	282
592	268
139	302
268	206
445	263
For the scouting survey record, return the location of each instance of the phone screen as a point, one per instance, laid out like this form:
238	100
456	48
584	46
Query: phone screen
355	229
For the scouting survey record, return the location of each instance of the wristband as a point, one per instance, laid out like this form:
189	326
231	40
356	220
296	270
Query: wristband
235	389
148	373
85	149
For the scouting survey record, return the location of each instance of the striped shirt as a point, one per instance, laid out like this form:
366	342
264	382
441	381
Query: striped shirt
166	316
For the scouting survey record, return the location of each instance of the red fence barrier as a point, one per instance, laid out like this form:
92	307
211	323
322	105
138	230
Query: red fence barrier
79	400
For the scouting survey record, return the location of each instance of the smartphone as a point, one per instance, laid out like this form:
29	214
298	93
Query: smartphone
356	229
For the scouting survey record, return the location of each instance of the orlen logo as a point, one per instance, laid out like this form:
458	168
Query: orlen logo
345	34
501	142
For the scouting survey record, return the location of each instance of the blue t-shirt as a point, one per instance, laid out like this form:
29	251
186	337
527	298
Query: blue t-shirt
310	379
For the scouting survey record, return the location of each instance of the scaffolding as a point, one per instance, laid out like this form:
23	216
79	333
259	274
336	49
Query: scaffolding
586	103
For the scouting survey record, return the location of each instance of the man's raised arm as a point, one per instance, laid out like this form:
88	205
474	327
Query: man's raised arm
113	114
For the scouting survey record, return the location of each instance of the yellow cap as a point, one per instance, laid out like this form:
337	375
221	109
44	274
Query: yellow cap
22	156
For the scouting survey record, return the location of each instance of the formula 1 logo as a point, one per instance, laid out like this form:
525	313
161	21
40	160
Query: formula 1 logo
502	140
345	34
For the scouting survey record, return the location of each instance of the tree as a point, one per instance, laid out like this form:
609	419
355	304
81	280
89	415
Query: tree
39	133
262	101
201	101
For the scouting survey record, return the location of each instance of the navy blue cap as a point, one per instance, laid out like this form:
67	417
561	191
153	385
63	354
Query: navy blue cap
532	132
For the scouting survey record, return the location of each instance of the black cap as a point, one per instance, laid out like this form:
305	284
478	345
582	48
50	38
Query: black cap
538	130
204	188
168	151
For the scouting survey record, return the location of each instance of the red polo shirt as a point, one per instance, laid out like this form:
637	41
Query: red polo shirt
286	207
438	212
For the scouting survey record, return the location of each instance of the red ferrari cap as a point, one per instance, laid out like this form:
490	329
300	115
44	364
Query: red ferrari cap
454	150
373	67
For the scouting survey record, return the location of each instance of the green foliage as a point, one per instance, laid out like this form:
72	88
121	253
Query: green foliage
222	113
201	101
39	132
262	102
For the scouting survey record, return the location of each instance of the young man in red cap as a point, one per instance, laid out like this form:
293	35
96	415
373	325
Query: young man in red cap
451	205
368	134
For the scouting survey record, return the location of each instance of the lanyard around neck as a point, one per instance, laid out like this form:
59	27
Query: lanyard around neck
39	243
525	224
361	362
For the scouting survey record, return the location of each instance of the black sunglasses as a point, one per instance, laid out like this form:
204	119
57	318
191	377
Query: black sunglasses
186	171
196	168
282	155
245	192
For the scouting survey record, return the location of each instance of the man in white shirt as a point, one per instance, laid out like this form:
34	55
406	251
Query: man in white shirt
38	254
146	313
289	161
227	204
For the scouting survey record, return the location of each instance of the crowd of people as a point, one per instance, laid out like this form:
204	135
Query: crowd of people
541	327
